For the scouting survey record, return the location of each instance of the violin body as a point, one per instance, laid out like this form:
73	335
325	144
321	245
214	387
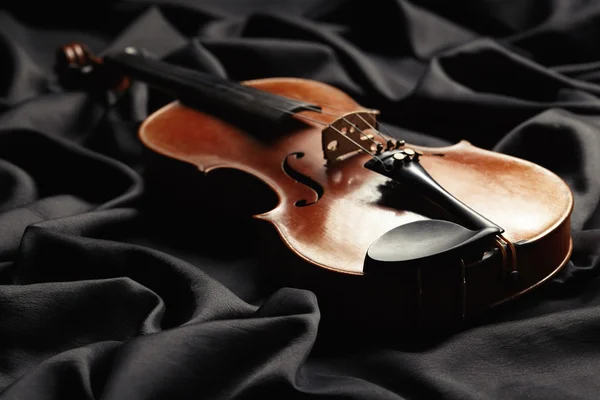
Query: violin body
388	235
316	228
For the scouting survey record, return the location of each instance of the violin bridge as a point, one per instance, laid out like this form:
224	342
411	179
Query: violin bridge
350	134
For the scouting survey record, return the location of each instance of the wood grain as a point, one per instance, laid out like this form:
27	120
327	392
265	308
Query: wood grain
321	243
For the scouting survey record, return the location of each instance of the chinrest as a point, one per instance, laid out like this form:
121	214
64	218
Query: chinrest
422	241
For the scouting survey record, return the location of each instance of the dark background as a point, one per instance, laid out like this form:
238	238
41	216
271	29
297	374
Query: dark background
97	300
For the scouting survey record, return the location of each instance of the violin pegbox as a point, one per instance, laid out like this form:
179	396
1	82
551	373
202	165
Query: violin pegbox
77	67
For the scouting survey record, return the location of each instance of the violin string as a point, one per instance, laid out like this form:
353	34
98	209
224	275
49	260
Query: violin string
315	109
374	156
353	141
384	137
332	127
371	126
311	108
389	134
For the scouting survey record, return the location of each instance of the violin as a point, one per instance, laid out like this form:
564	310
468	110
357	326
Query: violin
385	233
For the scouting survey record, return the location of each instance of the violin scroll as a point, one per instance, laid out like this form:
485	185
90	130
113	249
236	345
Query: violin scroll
77	67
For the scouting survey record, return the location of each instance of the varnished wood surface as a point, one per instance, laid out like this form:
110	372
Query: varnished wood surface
523	198
532	204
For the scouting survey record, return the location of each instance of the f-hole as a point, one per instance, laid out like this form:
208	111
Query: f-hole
303	179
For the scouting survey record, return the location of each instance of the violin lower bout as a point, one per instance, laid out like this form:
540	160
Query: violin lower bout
424	297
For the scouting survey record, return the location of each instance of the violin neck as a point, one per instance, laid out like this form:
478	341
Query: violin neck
207	92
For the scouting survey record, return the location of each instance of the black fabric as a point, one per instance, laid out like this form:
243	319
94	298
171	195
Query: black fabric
98	300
